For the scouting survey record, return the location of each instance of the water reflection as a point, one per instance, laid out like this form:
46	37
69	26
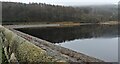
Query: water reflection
60	34
100	41
103	48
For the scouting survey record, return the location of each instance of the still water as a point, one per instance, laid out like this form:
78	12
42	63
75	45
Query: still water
99	41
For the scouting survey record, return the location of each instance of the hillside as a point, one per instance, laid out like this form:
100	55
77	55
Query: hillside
41	12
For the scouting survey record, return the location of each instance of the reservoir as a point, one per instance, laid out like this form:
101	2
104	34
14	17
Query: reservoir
99	41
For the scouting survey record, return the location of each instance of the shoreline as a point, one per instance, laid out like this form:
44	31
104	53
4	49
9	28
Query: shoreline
56	25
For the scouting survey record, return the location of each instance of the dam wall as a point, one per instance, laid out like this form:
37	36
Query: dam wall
21	47
18	49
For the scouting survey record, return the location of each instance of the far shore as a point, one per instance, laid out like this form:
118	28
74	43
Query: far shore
58	24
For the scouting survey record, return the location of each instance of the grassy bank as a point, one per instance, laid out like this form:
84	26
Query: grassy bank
61	23
110	22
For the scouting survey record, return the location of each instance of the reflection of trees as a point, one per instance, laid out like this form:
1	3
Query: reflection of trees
58	34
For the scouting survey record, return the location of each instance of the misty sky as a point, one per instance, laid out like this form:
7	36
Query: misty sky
69	2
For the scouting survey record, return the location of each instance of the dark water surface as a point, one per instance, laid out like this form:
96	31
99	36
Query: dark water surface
100	41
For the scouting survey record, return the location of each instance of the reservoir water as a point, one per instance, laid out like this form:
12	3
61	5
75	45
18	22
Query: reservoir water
99	41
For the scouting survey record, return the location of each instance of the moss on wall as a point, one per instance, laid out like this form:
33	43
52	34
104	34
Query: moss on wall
0	50
24	50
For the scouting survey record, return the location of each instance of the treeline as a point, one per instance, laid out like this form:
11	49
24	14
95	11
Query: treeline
41	12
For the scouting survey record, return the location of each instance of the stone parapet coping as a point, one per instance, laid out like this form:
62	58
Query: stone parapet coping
18	49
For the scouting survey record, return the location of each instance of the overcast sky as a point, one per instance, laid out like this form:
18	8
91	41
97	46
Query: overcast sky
69	2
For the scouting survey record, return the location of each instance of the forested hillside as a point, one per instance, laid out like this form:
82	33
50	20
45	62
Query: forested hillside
41	12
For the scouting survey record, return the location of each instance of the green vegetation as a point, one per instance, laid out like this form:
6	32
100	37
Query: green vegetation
41	12
4	59
0	51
